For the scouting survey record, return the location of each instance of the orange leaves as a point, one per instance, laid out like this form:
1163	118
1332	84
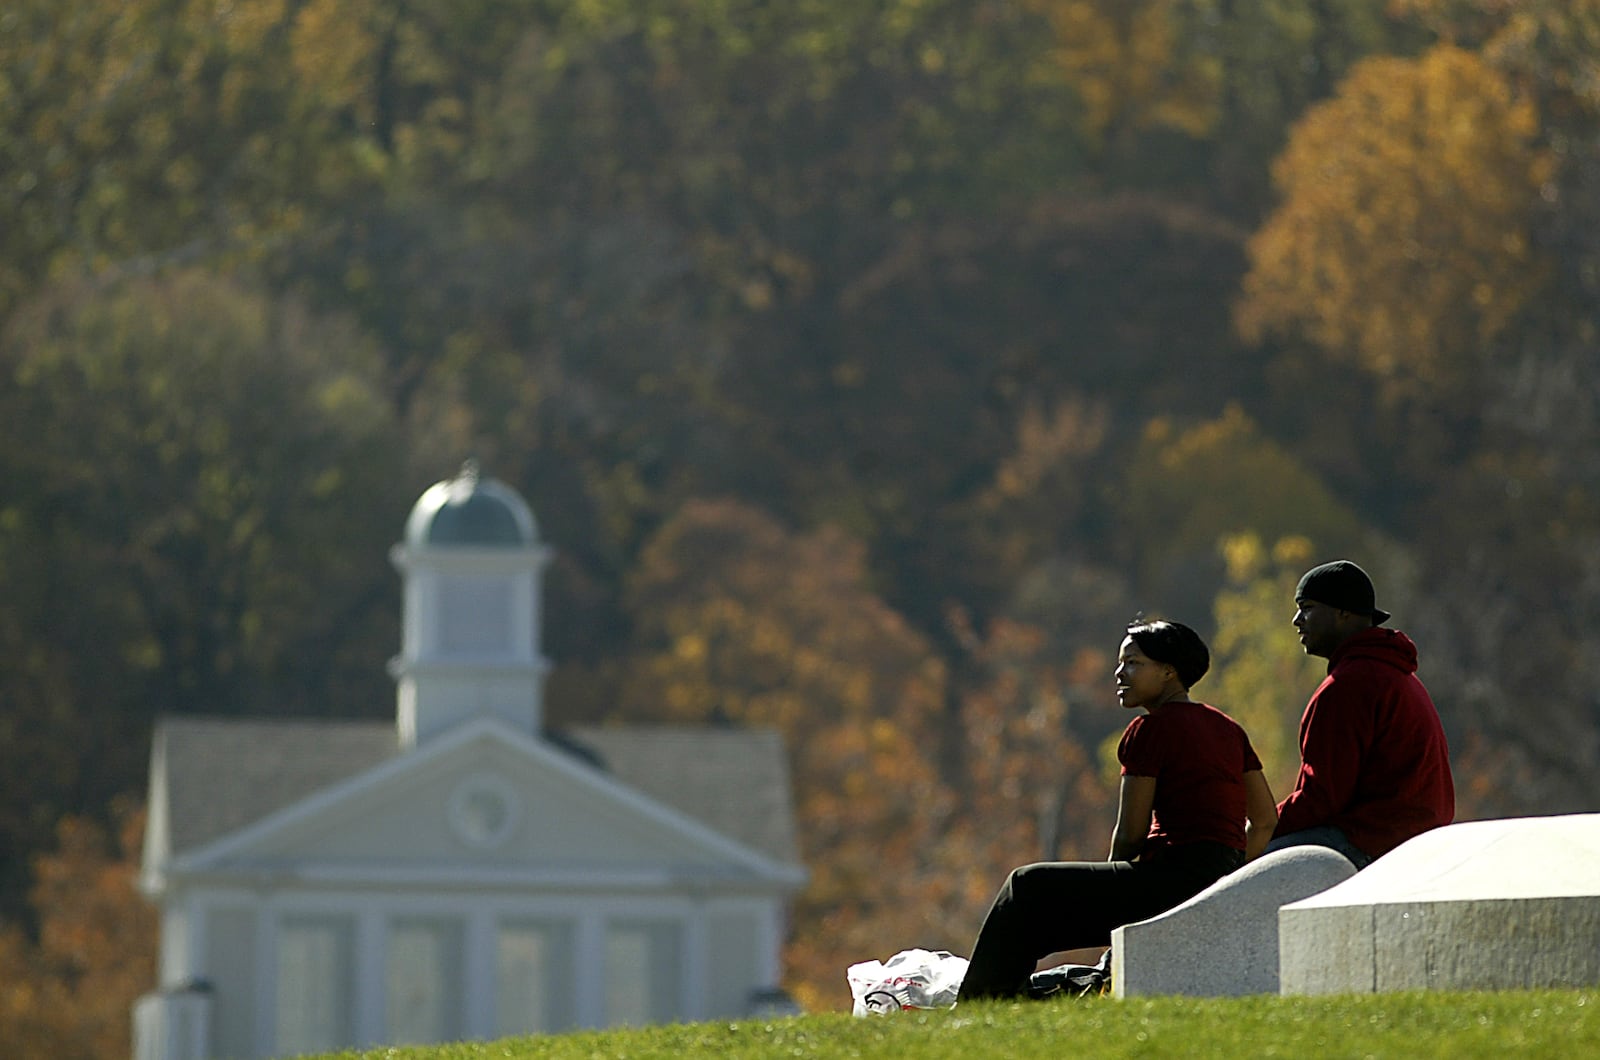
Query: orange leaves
914	797
767	626
69	996
1067	433
1403	237
745	621
1022	751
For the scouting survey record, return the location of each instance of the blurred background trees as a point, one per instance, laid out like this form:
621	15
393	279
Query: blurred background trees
868	365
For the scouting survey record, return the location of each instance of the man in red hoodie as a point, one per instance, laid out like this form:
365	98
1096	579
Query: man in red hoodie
1374	766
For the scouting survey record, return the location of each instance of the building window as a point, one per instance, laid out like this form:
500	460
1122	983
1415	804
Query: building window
644	972
423	979
315	984
483	810
533	978
474	615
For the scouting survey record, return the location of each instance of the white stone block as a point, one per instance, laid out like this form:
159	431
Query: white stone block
1481	905
1223	942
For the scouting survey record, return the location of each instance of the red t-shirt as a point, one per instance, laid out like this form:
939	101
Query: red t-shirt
1199	757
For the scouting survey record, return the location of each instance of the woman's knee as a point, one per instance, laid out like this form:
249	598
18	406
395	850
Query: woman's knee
1041	881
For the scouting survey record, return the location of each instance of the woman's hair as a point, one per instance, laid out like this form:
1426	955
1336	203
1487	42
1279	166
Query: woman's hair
1175	645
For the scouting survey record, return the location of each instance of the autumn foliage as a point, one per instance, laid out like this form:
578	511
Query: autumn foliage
69	993
1405	234
907	837
868	367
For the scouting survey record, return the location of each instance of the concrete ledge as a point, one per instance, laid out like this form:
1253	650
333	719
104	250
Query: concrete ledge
1482	905
1223	942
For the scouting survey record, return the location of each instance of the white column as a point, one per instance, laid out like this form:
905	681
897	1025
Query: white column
696	962
589	973
193	941
179	958
770	959
266	978
370	980
478	975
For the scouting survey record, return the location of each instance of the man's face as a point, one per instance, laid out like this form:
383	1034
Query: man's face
1321	628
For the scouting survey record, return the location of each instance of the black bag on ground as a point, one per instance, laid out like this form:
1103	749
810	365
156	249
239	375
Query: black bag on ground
1072	980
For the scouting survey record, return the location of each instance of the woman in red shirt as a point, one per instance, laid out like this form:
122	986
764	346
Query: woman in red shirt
1194	806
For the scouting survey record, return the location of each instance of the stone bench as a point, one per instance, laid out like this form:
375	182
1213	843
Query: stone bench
1223	942
1481	905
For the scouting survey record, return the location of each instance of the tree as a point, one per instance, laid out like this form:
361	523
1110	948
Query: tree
1506	613
1507	625
1260	674
1271	60
1188	488
1545	50
1403	239
739	621
155	133
1031	786
69	996
743	622
1129	66
213	544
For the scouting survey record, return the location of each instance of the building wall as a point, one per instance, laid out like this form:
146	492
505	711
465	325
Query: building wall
301	970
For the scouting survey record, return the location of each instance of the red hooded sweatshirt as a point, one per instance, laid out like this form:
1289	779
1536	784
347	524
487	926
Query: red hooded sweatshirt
1373	759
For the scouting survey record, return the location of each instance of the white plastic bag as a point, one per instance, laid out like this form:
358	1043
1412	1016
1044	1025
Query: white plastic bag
909	979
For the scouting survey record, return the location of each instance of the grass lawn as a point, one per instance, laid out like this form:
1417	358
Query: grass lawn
1522	1025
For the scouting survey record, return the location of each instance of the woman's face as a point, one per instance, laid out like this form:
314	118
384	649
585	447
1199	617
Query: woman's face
1141	681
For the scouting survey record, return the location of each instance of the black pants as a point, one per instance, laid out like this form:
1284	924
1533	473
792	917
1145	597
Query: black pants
1064	905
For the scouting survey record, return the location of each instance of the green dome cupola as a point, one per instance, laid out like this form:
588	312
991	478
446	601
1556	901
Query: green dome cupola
470	511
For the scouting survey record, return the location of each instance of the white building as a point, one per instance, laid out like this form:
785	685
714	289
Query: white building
459	873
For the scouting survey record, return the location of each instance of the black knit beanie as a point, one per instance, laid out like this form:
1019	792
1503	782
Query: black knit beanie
1341	584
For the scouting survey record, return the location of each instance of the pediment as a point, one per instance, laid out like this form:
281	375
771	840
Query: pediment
482	799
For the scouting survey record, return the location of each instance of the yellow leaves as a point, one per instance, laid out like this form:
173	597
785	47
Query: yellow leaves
1292	551
1223	476
1402	239
1260	675
333	44
690	648
1244	556
1553	42
246	24
1247	559
1124	59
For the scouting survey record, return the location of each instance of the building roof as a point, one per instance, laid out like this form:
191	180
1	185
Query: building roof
734	780
218	775
471	512
221	774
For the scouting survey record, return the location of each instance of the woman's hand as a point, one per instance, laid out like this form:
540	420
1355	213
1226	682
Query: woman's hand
1260	812
1135	806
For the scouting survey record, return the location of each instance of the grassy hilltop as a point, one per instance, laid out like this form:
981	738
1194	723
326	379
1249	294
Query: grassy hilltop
1525	1024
